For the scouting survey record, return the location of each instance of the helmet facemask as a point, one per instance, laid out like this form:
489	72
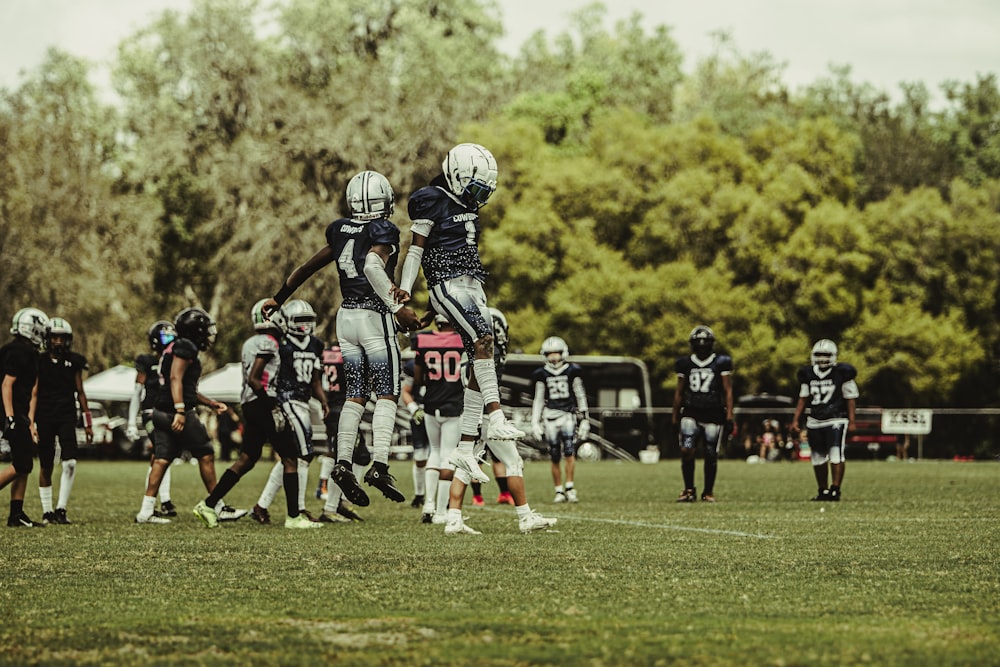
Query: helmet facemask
824	354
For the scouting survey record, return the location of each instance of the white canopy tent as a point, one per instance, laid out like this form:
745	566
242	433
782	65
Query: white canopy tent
223	385
114	384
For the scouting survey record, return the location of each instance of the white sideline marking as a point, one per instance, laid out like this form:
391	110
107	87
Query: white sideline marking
646	524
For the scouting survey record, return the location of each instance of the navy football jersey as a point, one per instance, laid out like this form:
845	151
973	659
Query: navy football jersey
149	365
300	358
704	397
452	247
180	348
20	361
827	392
439	354
57	386
560	386
351	241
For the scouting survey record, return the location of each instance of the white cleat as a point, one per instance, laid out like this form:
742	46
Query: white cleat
468	463
227	513
560	497
571	495
535	522
301	521
459	528
152	518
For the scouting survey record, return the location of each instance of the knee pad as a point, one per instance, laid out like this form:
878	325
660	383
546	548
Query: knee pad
836	455
422	454
818	459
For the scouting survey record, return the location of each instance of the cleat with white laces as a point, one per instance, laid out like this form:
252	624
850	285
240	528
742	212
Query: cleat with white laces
383	481
167	509
534	522
206	514
469	464
571	495
345	479
502	429
301	521
439	519
560	497
260	515
458	527
227	513
152	518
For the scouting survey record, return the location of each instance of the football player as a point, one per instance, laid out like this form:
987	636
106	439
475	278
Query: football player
501	336
58	388
176	426
446	230
19	370
830	389
702	410
365	247
412	400
559	412
299	378
147	383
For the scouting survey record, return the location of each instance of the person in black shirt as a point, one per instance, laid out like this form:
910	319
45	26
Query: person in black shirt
19	370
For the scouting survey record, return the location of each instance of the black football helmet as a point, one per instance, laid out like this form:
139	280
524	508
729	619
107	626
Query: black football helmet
197	326
58	335
160	334
702	341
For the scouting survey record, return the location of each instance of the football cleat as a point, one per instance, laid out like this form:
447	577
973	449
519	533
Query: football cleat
22	521
835	495
345	479
687	496
478	501
505	498
152	518
206	514
346	512
49	518
321	490
458	527
469	464
534	522
227	513
383	482
301	521
332	517
309	515
168	509
61	517
560	497
707	498
427	517
260	515
571	495
418	502
439	519
822	496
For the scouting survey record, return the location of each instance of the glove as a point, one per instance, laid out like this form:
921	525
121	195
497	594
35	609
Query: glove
583	430
8	428
418	416
536	430
132	433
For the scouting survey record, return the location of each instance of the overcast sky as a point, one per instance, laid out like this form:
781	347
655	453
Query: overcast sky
884	41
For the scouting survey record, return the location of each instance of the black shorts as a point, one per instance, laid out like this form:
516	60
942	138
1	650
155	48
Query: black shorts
169	445
48	431
22	447
258	428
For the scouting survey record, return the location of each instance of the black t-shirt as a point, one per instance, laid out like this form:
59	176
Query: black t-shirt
180	348
57	386
19	359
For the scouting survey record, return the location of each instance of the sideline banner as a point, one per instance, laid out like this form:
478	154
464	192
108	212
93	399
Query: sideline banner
906	421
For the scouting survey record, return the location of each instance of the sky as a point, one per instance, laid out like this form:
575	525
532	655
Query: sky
885	42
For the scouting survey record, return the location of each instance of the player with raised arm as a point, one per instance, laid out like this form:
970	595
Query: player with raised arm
702	410
830	389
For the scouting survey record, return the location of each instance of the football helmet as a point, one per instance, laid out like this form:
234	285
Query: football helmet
160	334
261	322
59	328
824	353
702	341
197	326
30	323
555	345
299	318
369	196
471	173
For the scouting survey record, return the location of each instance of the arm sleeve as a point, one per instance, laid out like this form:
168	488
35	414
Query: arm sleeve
133	404
581	394
538	403
411	267
375	272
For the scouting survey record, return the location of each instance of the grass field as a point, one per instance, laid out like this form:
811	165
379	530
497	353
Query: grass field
904	571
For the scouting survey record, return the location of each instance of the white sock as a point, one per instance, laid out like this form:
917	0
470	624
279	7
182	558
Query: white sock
347	429
303	482
523	510
418	480
559	489
454	515
45	493
443	492
334	494
486	376
383	423
472	411
148	503
326	464
274	483
431	480
66	483
165	486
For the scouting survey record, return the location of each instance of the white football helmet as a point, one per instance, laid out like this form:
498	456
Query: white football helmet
471	173
261	322
30	323
299	318
500	328
824	353
555	345
369	196
57	326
